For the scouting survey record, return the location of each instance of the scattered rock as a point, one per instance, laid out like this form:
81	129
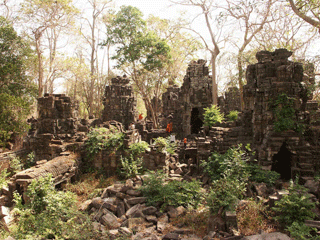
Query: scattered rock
85	205
110	220
268	236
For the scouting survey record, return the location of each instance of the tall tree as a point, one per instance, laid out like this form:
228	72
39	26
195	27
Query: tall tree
250	17
90	30
207	7
16	89
286	30
139	51
49	18
308	10
183	49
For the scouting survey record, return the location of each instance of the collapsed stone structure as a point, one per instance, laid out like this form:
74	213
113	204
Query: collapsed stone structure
186	104
288	152
119	102
57	127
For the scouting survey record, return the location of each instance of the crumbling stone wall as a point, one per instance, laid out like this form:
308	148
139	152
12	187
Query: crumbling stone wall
57	127
119	102
290	152
230	101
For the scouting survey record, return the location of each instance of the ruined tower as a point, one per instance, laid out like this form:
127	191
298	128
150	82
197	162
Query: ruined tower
186	104
119	102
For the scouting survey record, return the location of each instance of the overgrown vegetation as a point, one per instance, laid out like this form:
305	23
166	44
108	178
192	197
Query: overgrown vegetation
285	114
259	175
89	185
163	144
233	116
136	149
172	193
301	232
49	214
99	139
224	194
17	90
212	115
253	217
130	166
230	174
295	206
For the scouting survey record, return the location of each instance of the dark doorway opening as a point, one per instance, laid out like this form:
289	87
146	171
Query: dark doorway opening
282	161
195	121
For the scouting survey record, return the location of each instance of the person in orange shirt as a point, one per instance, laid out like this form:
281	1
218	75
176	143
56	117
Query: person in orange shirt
168	128
140	116
185	142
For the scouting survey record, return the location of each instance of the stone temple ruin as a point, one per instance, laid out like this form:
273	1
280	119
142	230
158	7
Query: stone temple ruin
58	131
186	104
119	102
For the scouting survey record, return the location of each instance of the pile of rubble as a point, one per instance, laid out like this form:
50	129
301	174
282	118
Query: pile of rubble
122	210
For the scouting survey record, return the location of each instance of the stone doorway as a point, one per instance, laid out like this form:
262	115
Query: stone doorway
195	121
282	162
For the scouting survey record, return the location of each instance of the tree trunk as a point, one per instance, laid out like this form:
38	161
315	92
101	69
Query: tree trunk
40	67
214	83
240	77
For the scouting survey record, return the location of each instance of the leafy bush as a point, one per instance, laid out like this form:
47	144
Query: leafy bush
49	214
173	193
232	164
224	194
300	231
285	114
3	178
130	166
15	164
137	148
164	144
257	174
294	207
110	139
30	161
212	116
233	116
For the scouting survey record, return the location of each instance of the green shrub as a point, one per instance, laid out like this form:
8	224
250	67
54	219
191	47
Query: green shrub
3	178
257	174
233	116
137	148
224	194
212	116
285	114
300	231
15	164
173	193
130	166
294	207
110	139
49	214
164	144
232	164
30	161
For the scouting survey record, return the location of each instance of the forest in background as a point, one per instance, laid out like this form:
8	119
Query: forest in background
50	45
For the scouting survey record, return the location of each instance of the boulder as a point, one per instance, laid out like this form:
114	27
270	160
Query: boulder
149	210
85	205
268	236
109	220
136	200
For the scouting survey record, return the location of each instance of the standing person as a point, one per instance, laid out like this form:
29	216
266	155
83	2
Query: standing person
185	142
